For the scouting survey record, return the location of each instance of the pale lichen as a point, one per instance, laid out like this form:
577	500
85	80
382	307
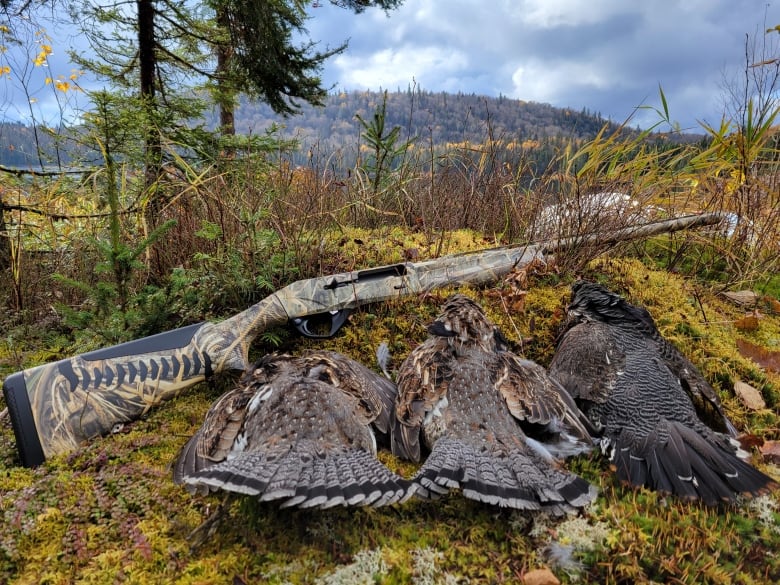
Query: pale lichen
766	509
367	567
572	537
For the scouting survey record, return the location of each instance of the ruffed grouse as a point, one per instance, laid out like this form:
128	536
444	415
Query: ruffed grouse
298	429
467	398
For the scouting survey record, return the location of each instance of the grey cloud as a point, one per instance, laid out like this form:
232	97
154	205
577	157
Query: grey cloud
611	59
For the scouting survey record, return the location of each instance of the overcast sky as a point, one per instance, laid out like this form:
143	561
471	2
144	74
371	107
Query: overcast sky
608	56
605	55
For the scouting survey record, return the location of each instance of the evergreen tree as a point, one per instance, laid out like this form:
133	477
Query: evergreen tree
159	50
259	57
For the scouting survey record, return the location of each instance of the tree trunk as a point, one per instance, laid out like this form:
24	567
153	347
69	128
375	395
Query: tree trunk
5	243
227	120
9	268
148	66
226	99
147	59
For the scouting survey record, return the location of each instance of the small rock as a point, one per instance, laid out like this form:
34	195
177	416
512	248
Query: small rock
743	298
749	396
540	577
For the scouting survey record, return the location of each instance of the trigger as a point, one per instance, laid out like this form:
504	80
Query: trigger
321	325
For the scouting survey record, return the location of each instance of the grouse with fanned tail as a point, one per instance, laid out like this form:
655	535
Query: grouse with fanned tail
650	402
466	397
299	429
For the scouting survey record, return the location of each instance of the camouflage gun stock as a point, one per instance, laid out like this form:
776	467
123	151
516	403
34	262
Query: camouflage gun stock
55	407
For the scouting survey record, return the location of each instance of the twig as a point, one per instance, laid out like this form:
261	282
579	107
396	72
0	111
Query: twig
31	172
62	216
701	307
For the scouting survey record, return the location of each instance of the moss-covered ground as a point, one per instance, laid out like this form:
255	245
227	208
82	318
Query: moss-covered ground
110	512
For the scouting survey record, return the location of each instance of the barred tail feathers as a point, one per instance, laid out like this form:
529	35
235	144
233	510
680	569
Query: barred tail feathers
307	479
687	465
518	480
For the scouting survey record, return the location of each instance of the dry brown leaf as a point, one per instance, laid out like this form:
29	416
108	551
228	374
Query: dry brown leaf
518	278
749	396
540	577
767	359
411	254
743	298
516	301
772	303
748	323
749	441
771	451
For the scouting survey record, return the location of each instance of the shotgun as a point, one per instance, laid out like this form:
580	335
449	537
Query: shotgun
57	406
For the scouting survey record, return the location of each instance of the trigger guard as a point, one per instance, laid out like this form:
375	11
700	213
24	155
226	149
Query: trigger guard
337	320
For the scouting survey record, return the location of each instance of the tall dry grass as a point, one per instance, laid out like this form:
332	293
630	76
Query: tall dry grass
247	225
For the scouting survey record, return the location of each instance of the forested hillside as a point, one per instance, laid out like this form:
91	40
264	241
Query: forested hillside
437	118
440	117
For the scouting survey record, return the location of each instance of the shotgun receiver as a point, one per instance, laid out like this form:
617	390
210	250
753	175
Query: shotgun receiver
55	407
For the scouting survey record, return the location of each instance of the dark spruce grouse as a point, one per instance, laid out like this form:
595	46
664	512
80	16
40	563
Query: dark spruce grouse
649	402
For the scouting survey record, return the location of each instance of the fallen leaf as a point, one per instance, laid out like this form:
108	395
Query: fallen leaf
772	303
411	254
765	358
771	451
741	297
540	577
518	278
749	396
516	302
748	323
749	441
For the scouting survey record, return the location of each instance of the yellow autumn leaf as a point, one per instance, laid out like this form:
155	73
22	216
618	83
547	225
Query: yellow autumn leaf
40	59
738	175
62	85
5	70
48	80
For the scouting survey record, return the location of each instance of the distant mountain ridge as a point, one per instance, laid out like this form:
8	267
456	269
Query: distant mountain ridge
438	118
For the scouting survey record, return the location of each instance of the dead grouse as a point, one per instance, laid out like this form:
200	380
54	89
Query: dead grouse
465	395
298	429
649	402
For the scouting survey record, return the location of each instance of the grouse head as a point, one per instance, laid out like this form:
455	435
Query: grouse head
464	323
590	301
267	368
